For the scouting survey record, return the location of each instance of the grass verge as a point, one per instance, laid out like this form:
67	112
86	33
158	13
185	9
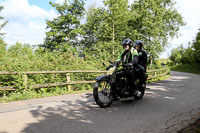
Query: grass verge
189	68
158	79
32	94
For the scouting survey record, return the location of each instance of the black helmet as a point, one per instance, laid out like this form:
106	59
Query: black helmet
138	42
127	42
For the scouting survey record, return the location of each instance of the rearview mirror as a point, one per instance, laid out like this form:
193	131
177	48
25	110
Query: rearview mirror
110	61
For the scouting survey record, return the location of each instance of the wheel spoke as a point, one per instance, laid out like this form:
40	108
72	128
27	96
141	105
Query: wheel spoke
104	92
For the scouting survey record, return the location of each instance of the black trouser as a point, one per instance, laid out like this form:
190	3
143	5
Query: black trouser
116	87
119	75
130	75
140	74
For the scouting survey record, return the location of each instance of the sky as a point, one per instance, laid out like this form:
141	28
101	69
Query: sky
27	21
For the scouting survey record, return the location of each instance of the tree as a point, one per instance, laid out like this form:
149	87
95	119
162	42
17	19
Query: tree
2	48
116	21
154	22
3	24
196	47
20	50
2	43
188	55
63	31
107	26
91	35
177	54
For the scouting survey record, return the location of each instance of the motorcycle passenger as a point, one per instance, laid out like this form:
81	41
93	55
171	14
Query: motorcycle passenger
142	63
129	58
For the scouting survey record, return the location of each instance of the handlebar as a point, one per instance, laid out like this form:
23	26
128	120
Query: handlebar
117	63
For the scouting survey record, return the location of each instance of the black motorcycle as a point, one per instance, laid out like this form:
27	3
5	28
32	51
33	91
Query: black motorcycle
107	89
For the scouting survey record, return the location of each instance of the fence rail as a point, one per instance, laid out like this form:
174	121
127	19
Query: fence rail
51	72
157	73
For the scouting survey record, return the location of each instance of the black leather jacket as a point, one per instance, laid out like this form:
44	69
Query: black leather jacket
142	59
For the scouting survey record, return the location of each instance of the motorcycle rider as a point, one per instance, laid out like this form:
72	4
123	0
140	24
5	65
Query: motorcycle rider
129	58
128	55
142	63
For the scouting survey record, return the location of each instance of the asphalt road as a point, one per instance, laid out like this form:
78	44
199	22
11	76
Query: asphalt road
167	107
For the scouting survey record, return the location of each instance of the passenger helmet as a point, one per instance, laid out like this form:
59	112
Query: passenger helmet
138	42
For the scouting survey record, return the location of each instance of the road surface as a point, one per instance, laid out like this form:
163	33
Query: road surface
167	107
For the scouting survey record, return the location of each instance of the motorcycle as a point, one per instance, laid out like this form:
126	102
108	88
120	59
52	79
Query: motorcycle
107	89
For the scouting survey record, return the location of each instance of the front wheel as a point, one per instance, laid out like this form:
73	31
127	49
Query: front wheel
102	94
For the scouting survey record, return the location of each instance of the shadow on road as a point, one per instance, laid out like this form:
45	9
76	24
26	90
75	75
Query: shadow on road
79	116
168	89
84	116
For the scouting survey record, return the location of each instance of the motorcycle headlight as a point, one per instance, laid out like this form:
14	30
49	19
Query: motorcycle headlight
111	70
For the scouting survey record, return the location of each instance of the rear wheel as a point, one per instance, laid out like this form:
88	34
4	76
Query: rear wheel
102	94
140	93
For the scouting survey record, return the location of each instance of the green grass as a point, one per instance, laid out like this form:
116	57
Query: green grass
158	79
32	94
189	68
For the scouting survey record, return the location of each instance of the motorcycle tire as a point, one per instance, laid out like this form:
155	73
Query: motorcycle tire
102	94
140	94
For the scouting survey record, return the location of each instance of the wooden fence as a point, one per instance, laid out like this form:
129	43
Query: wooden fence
156	73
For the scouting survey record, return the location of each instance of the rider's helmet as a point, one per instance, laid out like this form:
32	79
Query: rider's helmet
127	42
138	42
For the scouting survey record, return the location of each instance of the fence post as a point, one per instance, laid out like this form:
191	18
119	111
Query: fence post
155	75
25	81
68	80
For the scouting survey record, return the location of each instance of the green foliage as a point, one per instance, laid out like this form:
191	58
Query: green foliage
100	51
2	48
153	22
159	78
116	18
22	57
71	46
189	68
190	55
90	35
64	30
3	24
161	63
31	94
176	54
105	28
196	47
2	43
19	50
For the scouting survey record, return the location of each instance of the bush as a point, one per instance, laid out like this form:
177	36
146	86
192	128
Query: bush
22	58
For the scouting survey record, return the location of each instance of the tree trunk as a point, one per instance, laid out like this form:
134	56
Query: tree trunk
113	40
151	62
